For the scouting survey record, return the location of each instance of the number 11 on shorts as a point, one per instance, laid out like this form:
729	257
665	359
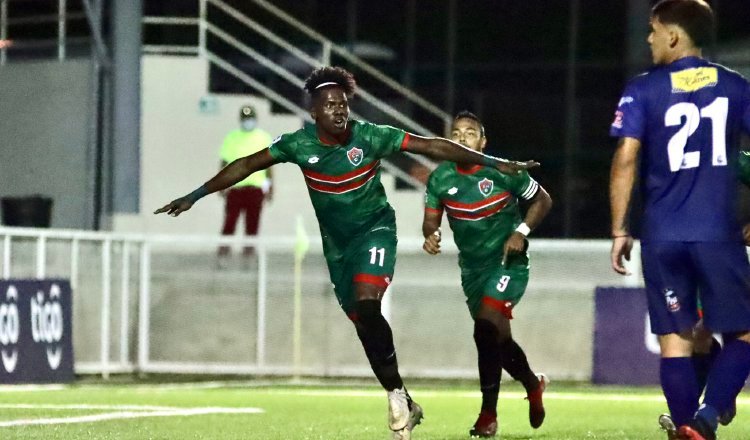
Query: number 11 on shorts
374	251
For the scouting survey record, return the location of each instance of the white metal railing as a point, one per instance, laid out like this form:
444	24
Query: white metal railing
343	52
327	47
141	247
107	365
61	40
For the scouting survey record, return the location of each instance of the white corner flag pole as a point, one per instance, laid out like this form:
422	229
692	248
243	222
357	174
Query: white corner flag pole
301	245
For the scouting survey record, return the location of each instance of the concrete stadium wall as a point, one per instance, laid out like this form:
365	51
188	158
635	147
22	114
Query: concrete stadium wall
44	142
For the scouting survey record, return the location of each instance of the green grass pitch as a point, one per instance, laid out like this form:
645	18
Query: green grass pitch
253	410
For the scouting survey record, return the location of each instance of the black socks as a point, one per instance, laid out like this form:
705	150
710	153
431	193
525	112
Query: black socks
377	339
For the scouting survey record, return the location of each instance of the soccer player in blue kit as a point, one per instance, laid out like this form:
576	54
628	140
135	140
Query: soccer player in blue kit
685	117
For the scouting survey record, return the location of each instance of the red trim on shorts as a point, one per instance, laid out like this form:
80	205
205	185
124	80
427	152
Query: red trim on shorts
700	312
404	142
504	307
353	316
435	210
377	280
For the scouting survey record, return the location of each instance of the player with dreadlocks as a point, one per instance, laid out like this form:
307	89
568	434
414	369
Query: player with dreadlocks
340	160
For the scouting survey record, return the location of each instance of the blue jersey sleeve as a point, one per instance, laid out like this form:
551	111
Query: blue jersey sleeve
630	120
746	109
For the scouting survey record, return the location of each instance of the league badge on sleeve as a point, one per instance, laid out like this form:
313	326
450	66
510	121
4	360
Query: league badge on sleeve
355	155
485	186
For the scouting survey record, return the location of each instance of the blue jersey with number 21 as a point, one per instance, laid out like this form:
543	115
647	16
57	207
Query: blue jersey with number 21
688	116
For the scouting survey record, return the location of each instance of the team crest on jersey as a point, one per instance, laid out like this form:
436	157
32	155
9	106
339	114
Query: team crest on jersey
673	304
355	155
485	186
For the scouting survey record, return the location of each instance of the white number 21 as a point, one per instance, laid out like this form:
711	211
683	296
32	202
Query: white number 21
717	113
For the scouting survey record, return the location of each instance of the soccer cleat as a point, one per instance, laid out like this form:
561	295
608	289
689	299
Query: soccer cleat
398	409
696	430
485	426
415	418
536	406
727	416
666	423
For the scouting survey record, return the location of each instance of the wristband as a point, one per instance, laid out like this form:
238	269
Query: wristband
524	229
198	194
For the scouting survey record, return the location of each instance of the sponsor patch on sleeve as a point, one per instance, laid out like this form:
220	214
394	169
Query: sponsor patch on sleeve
690	80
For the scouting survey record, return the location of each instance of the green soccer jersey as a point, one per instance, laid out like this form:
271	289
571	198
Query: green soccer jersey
482	208
343	180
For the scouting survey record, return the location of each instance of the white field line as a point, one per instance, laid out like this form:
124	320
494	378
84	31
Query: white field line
129	415
84	406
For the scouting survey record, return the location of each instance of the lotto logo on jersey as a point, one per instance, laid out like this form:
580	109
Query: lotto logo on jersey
485	186
673	304
690	80
355	155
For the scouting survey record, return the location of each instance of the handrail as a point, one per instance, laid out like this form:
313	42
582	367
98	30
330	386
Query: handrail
426	105
369	97
294	80
45	18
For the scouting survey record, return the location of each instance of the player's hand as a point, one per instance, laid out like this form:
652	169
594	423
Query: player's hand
512	167
175	207
746	234
515	244
621	247
432	243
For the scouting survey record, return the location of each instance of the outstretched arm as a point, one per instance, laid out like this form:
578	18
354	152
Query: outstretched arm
622	179
228	176
537	211
444	149
431	230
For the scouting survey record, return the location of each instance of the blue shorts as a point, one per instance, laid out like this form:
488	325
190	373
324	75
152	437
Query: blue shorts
677	272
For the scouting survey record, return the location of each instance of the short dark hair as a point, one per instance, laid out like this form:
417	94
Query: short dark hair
465	114
338	76
695	17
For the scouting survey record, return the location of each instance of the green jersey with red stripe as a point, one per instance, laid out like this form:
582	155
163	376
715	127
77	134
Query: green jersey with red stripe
482	208
343	180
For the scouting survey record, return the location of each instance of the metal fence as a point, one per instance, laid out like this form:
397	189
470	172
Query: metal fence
146	303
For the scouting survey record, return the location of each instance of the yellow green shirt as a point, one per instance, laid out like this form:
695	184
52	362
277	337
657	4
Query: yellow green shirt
240	143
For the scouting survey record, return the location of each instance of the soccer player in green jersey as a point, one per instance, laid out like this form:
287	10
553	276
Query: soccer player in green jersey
482	208
340	160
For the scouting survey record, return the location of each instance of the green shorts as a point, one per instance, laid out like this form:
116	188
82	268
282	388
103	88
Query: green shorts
499	287
368	258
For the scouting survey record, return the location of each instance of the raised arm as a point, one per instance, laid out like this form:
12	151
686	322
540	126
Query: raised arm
228	176
444	149
622	179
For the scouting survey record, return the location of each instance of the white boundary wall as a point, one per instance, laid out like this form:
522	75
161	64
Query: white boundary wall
170	310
